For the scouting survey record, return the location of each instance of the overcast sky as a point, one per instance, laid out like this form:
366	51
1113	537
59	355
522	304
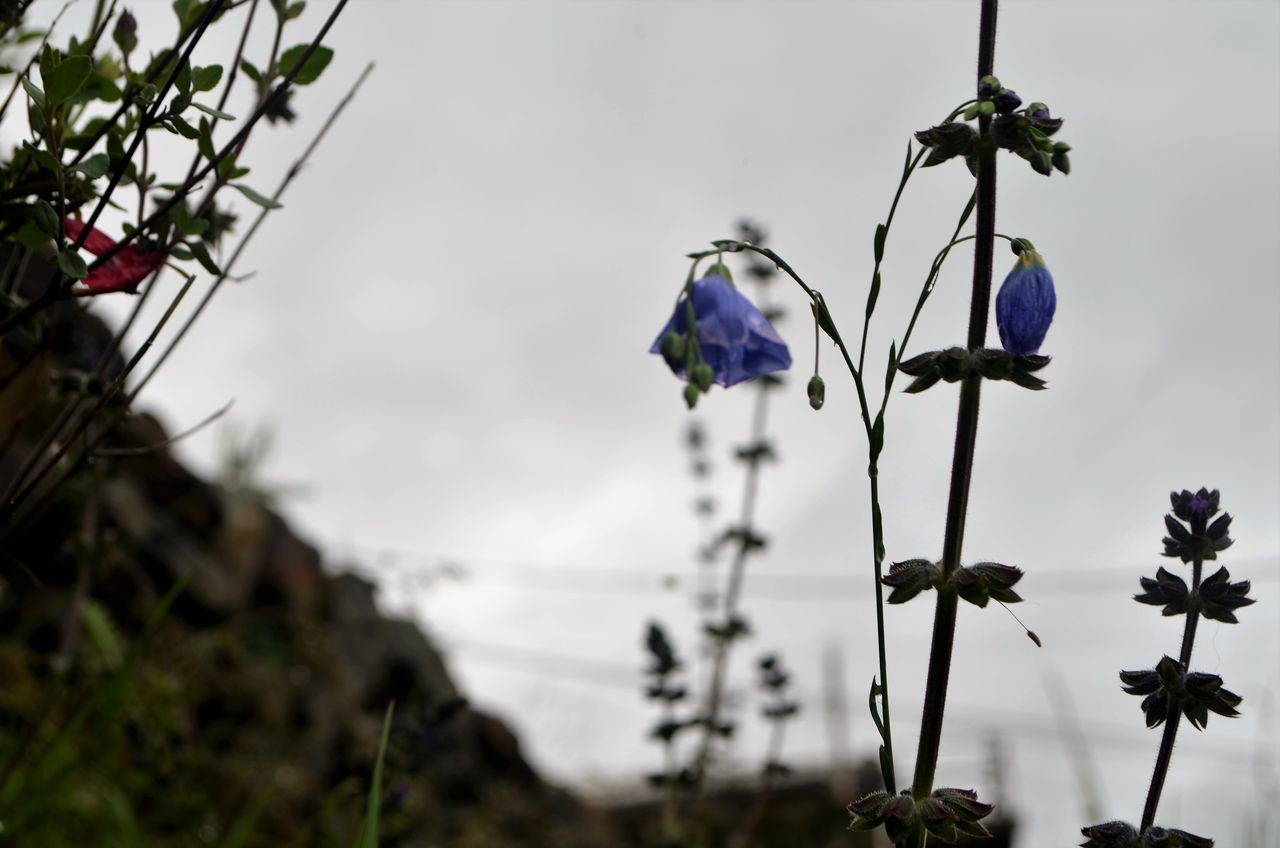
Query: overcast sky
448	326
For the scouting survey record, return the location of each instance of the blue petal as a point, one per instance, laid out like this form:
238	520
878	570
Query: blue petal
737	341
1025	305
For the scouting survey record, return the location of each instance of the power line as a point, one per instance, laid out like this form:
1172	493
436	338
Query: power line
435	570
1104	736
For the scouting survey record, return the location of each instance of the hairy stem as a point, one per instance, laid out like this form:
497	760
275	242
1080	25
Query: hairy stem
966	435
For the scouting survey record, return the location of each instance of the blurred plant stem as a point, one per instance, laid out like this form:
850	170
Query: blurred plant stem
723	643
944	623
1165	755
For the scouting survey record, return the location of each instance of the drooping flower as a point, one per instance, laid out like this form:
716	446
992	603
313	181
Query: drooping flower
123	271
736	340
1025	305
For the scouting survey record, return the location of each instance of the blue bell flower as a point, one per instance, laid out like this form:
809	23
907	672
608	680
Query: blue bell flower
1025	305
736	340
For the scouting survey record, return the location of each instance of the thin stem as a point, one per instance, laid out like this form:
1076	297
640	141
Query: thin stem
289	177
733	593
1165	755
55	292
875	271
8	507
1193	614
966	436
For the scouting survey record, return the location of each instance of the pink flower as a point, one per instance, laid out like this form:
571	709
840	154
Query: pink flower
123	271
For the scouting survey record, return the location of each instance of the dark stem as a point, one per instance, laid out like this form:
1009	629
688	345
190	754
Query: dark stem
1165	755
944	622
1193	615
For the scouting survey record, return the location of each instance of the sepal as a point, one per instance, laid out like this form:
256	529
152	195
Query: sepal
1219	598
987	581
1118	834
911	577
955	364
1196	694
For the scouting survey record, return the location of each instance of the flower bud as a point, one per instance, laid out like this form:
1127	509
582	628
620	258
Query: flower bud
691	395
702	375
1025	305
125	34
817	392
989	86
672	347
1006	101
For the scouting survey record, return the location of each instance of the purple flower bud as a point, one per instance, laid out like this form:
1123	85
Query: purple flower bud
1025	305
736	340
1006	101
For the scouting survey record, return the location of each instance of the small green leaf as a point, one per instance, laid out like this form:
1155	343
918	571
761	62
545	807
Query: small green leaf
29	235
873	707
70	263
294	10
35	117
893	367
369	829
262	200
146	94
65	80
94	166
205	142
251	70
202	256
881	232
877	436
43	158
45	219
102	632
34	92
310	71
209	110
180	251
824	319
183	81
97	87
184	129
207	78
874	294
188	11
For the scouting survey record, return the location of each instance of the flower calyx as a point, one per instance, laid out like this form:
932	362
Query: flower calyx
1025	132
946	814
956	363
735	627
1169	685
1216	598
1201	540
1197	507
947	141
978	584
1219	597
1118	834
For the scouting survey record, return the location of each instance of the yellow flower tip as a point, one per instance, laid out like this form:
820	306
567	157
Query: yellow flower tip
1030	259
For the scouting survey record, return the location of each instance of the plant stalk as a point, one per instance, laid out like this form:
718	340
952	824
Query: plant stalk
944	623
1165	754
